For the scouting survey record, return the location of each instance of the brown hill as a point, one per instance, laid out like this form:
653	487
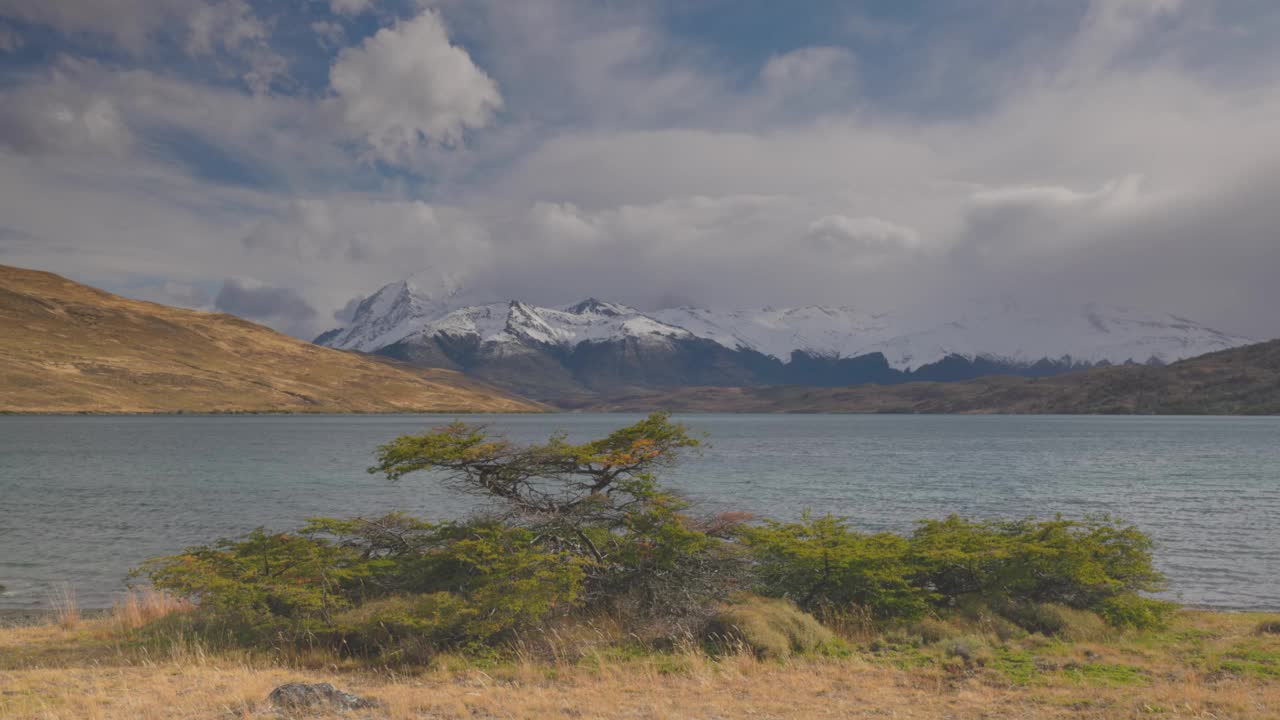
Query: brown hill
66	347
1241	381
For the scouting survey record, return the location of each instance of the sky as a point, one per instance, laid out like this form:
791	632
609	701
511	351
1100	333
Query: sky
278	160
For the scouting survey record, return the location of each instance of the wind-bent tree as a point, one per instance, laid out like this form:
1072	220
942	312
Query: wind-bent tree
598	500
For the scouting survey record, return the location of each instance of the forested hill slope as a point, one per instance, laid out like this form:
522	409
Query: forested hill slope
67	347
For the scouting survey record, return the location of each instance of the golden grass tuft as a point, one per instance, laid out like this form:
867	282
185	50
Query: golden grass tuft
142	606
769	628
65	607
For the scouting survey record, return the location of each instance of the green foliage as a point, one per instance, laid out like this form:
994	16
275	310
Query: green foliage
1130	610
821	562
769	628
1079	564
266	583
369	583
1038	573
597	502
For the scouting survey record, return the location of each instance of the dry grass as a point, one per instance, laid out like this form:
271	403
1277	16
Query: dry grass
141	606
65	608
1209	665
66	347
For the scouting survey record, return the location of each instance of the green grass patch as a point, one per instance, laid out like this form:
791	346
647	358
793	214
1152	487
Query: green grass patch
1107	675
1017	665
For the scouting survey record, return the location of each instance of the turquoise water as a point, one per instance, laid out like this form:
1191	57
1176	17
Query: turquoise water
83	499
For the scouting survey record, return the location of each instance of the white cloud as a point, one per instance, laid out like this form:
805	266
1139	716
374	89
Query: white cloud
860	235
130	23
350	7
59	115
808	69
408	85
330	34
227	30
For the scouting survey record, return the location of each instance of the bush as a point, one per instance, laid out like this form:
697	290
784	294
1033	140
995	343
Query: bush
769	628
821	562
1079	564
1130	610
416	624
344	582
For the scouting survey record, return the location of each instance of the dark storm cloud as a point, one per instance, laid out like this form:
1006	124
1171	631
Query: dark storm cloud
277	305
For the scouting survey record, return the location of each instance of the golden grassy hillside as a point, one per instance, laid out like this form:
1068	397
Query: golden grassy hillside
66	347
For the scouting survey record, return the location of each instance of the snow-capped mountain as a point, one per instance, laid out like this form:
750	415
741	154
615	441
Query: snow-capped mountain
596	345
1001	331
395	312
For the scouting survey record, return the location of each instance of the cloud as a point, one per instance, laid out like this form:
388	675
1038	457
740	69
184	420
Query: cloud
828	70
130	23
408	85
329	34
171	292
58	116
227	30
250	299
860	235
1110	151
350	7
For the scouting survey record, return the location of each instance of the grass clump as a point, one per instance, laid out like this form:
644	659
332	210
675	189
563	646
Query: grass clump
768	628
1059	621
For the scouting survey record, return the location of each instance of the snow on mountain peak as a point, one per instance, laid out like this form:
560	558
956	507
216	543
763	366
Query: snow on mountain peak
999	329
395	311
592	306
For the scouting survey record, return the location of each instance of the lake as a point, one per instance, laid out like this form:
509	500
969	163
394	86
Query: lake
84	499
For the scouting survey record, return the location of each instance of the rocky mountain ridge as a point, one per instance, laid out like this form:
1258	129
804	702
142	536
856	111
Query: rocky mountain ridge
598	346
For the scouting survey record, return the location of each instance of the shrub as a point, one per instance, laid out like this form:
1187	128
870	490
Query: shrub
1074	563
422	623
821	562
1134	611
344	581
769	628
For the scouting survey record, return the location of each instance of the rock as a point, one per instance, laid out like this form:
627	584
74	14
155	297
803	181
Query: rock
298	696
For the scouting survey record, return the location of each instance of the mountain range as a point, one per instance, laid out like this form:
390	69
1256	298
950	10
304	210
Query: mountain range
70	348
595	347
1239	381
